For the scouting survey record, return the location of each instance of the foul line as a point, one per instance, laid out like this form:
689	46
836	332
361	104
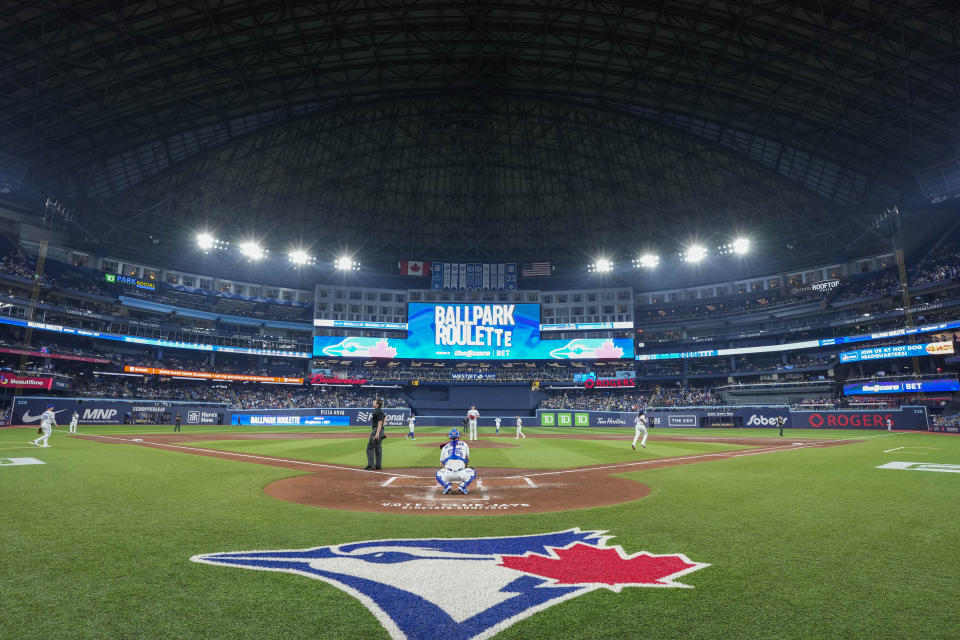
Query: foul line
249	455
752	452
524	476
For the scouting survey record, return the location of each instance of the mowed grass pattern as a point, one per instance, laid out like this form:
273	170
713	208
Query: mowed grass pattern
524	454
810	543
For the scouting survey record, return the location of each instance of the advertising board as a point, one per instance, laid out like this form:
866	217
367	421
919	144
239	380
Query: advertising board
901	386
319	416
907	417
898	351
693	417
17	381
97	411
560	418
473	332
206	375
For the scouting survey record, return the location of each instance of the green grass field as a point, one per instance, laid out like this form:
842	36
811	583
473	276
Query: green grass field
808	543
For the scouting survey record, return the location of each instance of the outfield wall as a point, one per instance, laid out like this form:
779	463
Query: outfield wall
570	418
27	410
904	418
317	416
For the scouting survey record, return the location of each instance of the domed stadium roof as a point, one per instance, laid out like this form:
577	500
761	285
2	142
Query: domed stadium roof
466	130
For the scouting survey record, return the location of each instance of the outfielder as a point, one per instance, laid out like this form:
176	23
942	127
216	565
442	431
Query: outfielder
48	420
497	422
74	419
520	429
472	416
641	427
455	456
410	422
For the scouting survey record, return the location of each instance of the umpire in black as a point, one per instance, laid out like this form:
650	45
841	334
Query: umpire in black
374	444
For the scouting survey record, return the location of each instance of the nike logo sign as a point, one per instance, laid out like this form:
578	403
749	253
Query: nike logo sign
29	418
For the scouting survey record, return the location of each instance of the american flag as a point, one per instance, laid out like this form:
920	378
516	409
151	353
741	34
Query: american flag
535	269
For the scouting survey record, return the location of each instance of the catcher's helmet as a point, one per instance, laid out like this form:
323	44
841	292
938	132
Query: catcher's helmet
454	434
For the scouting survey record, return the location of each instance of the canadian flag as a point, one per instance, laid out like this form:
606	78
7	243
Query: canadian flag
414	268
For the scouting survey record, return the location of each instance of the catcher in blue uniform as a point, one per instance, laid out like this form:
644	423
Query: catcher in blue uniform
455	456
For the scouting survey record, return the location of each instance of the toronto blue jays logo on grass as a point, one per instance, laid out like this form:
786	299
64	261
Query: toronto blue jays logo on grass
468	588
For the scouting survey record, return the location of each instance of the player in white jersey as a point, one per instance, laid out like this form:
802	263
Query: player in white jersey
472	416
455	456
410	422
520	429
497	422
74	419
48	420
641	427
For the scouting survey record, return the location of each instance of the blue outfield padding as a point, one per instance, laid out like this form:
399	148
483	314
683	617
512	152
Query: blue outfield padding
316	416
759	416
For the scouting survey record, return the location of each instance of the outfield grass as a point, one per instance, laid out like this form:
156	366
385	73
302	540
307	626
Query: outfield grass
809	543
505	431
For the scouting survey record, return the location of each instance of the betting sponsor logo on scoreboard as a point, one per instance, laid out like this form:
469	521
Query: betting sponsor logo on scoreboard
901	386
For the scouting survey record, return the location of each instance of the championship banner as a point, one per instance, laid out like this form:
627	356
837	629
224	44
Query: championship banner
14	381
898	351
205	375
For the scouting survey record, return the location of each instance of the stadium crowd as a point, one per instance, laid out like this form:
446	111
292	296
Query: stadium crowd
631	399
239	396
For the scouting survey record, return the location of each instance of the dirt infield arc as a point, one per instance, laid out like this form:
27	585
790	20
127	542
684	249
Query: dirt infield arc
496	491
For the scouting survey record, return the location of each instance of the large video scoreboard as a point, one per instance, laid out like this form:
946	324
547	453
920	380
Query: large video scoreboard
491	331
